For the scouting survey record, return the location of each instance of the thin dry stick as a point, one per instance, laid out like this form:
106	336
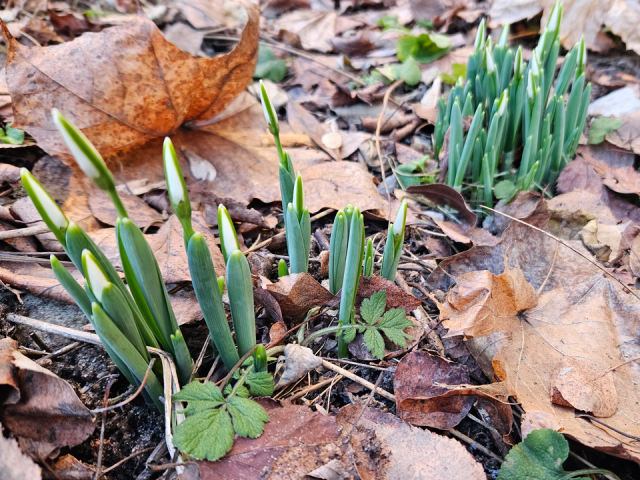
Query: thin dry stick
196	366
137	392
165	466
588	464
553	262
258	246
357	379
471	441
594	419
57	353
133	455
213	368
363	365
569	247
226	379
71	333
313	388
364	407
24	232
105	402
385	101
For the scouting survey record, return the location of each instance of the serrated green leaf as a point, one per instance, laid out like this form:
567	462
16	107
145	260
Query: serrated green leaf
601	127
397	336
242	391
373	307
261	384
269	66
349	333
13	136
201	396
392	325
206	434
374	342
248	417
540	456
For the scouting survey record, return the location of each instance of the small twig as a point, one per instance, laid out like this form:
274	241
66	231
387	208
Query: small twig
357	379
600	267
553	262
24	232
594	419
105	402
363	365
258	246
137	392
213	368
166	466
471	441
38	341
364	407
133	455
196	365
59	352
385	101
587	463
71	333
312	388
226	379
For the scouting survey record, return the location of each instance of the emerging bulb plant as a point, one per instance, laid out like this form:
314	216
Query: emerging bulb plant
393	247
518	110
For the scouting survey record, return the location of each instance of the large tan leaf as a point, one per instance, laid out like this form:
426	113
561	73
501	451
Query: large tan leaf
522	335
123	86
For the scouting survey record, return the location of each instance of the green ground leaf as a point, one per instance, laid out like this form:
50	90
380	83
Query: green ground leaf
12	136
201	396
374	342
248	417
409	71
540	456
505	190
373	307
392	325
269	66
261	384
349	334
405	47
601	127
206	434
457	70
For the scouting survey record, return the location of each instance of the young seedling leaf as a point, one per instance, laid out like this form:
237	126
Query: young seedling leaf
201	396
372	308
206	434
269	66
374	342
601	127
261	384
248	417
540	456
393	324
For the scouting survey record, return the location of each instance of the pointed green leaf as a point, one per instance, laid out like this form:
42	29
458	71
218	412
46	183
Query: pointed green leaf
374	342
261	384
206	434
200	395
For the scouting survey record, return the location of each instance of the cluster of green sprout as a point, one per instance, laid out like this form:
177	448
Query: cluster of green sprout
513	105
348	256
128	320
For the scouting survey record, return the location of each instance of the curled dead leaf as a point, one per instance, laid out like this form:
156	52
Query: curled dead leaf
297	293
298	361
38	405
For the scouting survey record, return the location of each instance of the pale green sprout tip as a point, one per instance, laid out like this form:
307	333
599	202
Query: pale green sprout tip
174	180
81	148
49	206
555	18
480	36
267	108
504	36
96	278
504	101
491	66
228	239
401	219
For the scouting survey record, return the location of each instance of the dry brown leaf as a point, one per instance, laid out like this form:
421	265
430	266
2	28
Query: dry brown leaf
578	18
315	29
297	293
403	451
9	173
302	121
130	85
584	385
37	404
298	361
294	439
441	194
139	211
520	336
203	13
419	387
15	464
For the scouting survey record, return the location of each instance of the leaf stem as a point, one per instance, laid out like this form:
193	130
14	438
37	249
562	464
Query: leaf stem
113	195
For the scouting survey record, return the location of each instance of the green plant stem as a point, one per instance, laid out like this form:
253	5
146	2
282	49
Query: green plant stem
115	199
320	333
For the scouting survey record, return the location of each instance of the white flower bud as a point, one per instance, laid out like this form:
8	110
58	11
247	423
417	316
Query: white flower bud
93	273
174	182
80	152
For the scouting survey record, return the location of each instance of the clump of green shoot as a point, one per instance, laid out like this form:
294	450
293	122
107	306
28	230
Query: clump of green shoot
338	248
351	278
393	247
206	284
367	270
296	216
513	110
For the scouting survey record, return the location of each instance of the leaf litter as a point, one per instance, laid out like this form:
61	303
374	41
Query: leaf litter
514	296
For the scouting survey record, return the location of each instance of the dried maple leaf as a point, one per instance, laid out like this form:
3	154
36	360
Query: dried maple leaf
524	318
123	86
